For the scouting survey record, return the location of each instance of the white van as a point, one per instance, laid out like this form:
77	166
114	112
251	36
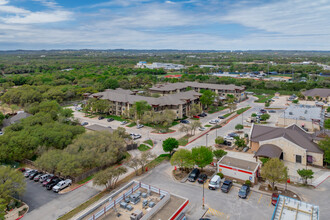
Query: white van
215	182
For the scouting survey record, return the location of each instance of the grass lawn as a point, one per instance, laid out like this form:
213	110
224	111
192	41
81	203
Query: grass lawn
240	111
228	114
131	124
216	109
263	98
159	160
118	118
85	180
208	126
150	142
143	147
183	141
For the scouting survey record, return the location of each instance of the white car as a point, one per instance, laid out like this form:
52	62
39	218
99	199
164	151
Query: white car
61	185
139	126
202	128
123	122
214	121
228	138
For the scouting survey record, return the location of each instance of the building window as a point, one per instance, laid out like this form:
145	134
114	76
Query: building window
298	158
309	159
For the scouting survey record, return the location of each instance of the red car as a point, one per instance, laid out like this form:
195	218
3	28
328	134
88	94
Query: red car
274	198
196	116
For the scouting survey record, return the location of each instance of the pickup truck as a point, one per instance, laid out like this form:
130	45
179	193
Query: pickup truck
61	185
226	186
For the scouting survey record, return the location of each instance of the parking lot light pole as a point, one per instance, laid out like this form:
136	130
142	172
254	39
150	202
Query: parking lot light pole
206	139
203	196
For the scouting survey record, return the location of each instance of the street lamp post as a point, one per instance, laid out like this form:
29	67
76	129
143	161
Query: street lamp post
203	197
206	139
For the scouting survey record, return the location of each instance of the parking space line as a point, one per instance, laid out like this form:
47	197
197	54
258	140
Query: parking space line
270	201
260	198
249	196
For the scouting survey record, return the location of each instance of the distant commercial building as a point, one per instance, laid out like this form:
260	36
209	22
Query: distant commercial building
320	94
219	89
165	66
139	201
122	100
288	208
307	116
239	169
291	144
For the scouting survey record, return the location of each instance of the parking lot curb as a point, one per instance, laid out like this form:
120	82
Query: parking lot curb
75	188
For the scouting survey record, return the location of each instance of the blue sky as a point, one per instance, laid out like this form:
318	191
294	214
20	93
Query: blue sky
165	24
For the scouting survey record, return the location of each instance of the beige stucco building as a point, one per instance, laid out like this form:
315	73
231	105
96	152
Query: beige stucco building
318	94
122	100
291	144
221	90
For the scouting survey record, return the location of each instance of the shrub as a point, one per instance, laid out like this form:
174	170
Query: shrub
263	160
248	182
221	175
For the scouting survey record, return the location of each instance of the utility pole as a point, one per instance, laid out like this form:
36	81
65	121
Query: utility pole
203	196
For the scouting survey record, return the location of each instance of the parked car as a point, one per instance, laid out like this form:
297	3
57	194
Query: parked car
228	138
244	191
221	117
1	133
233	135
185	121
203	114
123	122
135	136
193	175
52	183
34	174
22	169
272	111
226	186
45	177
202	128
274	198
84	123
202	178
215	182
28	172
263	111
139	126
110	119
49	180
61	185
196	116
227	143
101	117
214	121
37	177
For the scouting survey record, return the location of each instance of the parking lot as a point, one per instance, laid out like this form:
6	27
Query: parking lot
46	204
222	205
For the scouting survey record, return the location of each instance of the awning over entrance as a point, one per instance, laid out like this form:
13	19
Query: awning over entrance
269	150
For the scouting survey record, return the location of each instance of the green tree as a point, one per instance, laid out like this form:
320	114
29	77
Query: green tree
274	171
219	153
325	146
202	155
327	124
239	127
193	126
264	117
170	144
145	158
183	159
219	140
12	183
109	177
2	117
207	98
49	160
195	109
328	109
139	108
305	174
253	115
111	84
240	142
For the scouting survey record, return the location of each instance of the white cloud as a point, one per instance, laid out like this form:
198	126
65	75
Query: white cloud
39	17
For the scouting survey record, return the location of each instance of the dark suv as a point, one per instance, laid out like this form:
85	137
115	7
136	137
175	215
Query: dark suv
244	191
53	183
226	186
202	178
193	175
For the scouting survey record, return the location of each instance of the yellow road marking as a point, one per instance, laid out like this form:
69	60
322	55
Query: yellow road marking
249	195
270	202
260	198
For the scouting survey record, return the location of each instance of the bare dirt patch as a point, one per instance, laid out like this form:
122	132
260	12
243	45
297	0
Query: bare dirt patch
279	190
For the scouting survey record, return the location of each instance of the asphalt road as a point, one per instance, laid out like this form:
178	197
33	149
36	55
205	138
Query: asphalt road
222	205
44	204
